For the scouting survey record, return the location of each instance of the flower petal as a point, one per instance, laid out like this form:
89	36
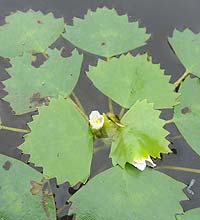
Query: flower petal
96	120
140	164
94	115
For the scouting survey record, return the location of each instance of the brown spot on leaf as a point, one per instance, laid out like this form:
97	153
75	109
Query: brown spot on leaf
37	100
44	189
186	110
7	165
46	194
39	22
36	187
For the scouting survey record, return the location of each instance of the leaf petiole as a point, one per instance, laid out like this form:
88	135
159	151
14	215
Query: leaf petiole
121	113
19	130
110	106
169	121
78	108
178	81
184	169
78	102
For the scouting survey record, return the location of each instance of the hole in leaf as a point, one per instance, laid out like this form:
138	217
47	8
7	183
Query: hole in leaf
186	110
37	100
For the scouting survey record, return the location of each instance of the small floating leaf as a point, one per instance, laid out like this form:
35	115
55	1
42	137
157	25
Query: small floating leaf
61	142
17	199
141	136
30	87
186	46
128	79
30	32
187	113
105	33
126	194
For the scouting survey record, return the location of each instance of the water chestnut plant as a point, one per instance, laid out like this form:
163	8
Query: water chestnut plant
61	136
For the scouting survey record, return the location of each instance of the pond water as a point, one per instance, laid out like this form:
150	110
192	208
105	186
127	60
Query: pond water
160	18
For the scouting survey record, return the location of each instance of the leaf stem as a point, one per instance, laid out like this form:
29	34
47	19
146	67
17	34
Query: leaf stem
169	121
78	109
19	130
78	102
178	81
121	113
110	106
62	209
45	56
184	169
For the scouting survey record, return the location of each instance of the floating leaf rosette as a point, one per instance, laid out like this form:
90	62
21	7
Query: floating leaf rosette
128	194
128	79
61	136
61	142
105	33
31	32
22	192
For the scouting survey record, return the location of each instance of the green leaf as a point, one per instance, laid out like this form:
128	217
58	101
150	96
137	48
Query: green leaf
105	33
128	79
61	142
30	32
190	215
186	47
142	135
187	113
126	194
16	189
30	87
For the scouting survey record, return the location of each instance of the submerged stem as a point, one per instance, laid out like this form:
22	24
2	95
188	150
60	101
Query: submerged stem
19	130
78	102
78	108
178	81
121	113
110	106
45	56
184	169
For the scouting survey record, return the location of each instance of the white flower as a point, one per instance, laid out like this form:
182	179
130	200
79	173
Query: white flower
96	120
141	164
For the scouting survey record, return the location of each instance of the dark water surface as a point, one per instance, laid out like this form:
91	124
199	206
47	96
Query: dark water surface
160	17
